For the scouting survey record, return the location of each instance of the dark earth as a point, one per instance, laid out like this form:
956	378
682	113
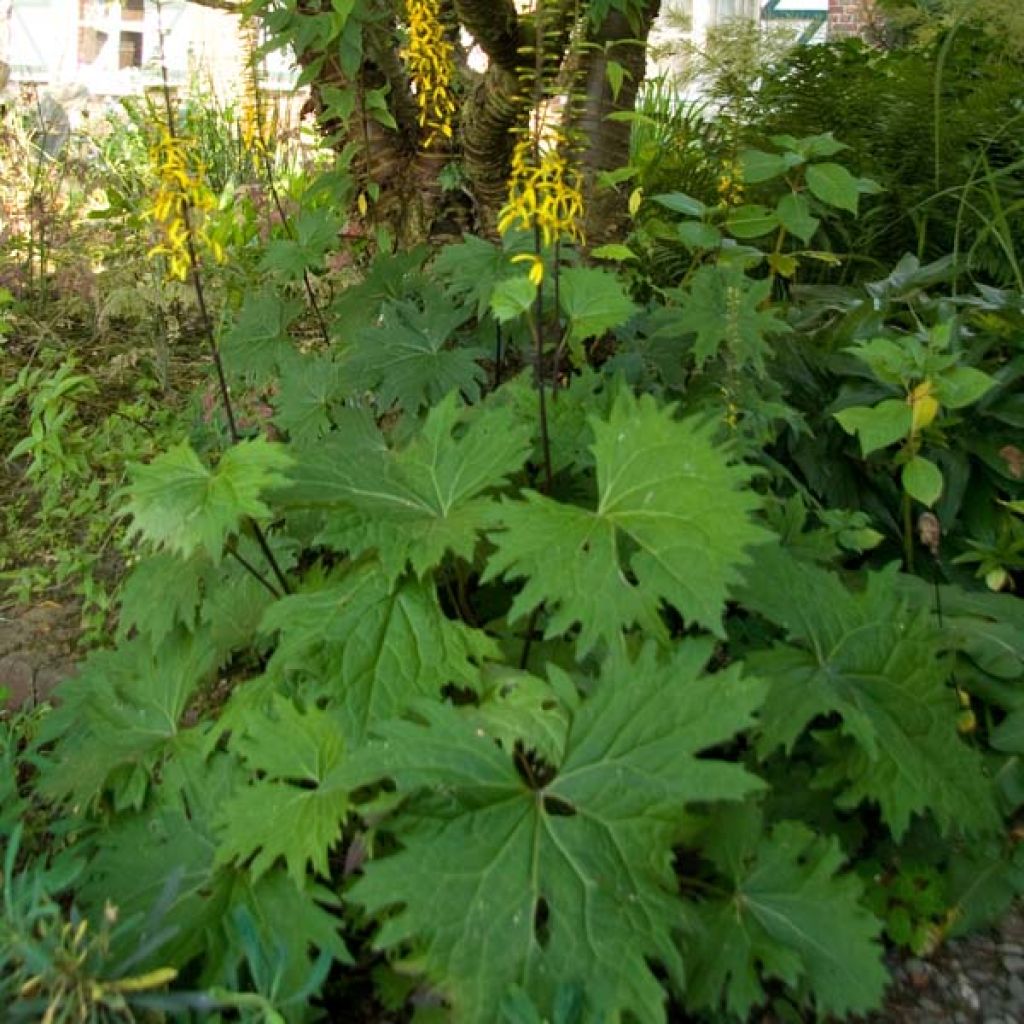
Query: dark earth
974	980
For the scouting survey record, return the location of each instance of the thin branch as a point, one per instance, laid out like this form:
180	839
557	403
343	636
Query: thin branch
253	571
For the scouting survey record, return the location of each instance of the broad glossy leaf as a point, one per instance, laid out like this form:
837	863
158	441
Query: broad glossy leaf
568	881
794	213
962	385
679	202
877	426
671	524
412	505
834	185
922	480
759	166
751	221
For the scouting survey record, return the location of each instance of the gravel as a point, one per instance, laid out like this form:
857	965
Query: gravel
978	979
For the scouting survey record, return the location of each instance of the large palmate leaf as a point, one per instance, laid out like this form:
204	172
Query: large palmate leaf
473	267
594	301
311	390
412	504
373	646
160	593
723	308
787	914
203	910
672	524
864	657
258	345
408	358
120	715
290	811
180	504
565	879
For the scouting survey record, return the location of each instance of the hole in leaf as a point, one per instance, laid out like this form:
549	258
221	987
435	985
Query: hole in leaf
558	808
541	923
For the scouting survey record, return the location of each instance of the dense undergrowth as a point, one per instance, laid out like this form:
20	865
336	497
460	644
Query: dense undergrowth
589	639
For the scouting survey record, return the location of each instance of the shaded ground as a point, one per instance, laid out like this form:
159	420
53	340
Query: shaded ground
975	980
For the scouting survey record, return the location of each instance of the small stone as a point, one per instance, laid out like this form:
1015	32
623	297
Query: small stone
1016	987
1014	964
967	994
50	677
1011	949
17	676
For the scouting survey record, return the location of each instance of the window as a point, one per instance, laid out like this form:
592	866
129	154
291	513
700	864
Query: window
90	44
111	34
129	54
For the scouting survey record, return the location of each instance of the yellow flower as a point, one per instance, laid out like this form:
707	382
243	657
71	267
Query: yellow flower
536	273
730	183
430	60
179	207
543	192
251	126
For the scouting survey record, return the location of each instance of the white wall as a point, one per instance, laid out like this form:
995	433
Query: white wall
44	46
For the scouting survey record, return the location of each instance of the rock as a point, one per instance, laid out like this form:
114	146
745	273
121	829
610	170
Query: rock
1016	989
49	677
1014	964
17	676
967	994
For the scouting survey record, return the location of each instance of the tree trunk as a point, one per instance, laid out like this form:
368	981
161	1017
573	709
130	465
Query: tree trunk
606	142
495	107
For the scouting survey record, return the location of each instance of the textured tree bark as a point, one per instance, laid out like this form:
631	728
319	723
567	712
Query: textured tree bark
605	143
495	106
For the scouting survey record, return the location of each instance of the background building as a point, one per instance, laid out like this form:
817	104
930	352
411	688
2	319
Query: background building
112	47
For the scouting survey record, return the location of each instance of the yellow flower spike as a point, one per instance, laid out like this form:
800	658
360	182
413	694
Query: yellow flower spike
180	189
430	60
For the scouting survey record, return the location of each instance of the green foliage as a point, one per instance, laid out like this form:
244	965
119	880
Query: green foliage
413	504
786	913
860	657
678	527
179	504
538	650
571	862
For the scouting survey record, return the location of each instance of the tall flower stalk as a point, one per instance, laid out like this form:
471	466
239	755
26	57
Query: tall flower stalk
183	217
255	137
